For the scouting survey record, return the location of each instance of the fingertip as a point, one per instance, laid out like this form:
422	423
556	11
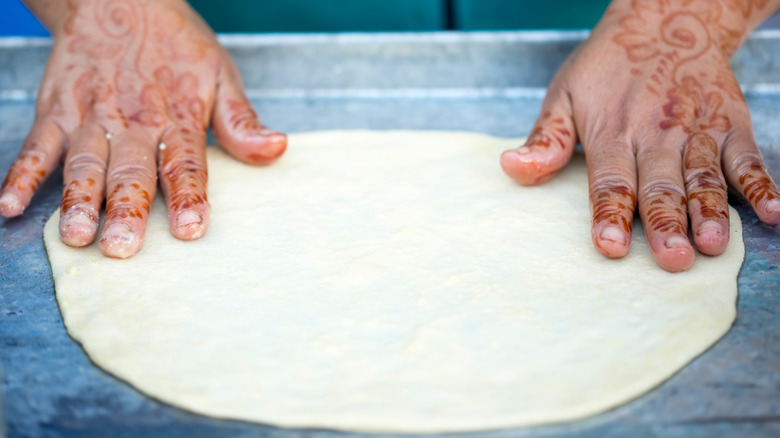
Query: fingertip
611	241
119	241
769	213
711	238
190	224
266	147
524	167
10	205
675	254
77	229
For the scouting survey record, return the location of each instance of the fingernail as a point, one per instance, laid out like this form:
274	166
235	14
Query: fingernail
773	206
613	234
188	217
709	227
523	150
9	200
118	233
677	242
78	223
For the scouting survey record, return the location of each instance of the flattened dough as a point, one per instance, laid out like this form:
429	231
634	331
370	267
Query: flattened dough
391	281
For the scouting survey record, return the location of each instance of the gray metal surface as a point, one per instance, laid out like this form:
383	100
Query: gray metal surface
486	82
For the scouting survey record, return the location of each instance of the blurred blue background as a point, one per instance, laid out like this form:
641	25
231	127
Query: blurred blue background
366	15
15	19
362	15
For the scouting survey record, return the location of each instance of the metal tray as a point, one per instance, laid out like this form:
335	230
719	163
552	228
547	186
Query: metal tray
485	82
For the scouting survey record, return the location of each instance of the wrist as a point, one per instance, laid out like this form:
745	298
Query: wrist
54	14
728	22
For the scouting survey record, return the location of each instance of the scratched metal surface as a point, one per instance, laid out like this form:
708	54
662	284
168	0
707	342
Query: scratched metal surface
486	82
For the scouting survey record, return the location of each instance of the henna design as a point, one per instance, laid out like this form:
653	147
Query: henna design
243	117
147	90
135	202
745	7
25	174
550	132
189	112
756	183
688	30
666	214
183	171
728	84
144	73
90	89
704	183
76	197
692	109
614	205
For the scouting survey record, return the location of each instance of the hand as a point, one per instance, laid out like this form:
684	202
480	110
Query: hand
651	97
129	90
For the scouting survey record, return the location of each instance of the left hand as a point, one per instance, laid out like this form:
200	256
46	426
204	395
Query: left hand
129	90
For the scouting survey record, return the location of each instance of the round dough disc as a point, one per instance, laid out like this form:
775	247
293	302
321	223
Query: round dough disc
391	281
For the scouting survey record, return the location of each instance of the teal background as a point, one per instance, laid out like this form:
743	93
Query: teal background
362	15
397	15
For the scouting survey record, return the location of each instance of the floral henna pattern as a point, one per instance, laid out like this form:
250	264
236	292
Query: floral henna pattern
693	109
149	82
187	111
665	36
144	71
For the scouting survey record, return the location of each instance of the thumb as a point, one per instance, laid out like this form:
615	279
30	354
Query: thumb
236	125
550	144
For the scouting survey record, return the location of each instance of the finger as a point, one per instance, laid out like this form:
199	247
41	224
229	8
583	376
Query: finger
662	206
745	170
706	192
237	127
612	181
549	146
40	155
84	179
130	183
183	176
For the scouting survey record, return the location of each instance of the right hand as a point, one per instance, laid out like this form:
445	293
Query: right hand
651	97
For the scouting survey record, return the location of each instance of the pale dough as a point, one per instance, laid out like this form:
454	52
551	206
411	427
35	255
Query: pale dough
391	281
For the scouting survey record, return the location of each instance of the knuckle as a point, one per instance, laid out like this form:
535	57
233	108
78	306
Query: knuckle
748	162
132	172
86	162
661	188
242	116
611	181
705	176
33	151
612	198
181	165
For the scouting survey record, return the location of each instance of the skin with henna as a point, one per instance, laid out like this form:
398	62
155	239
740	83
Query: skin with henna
130	89
651	97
